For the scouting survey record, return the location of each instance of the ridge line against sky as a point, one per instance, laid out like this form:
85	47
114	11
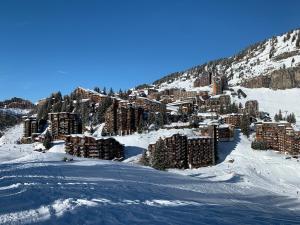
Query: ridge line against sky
53	45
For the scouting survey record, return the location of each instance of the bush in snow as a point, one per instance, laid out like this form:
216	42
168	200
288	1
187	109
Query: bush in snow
259	145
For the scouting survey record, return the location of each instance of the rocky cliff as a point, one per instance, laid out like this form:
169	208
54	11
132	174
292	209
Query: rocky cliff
278	79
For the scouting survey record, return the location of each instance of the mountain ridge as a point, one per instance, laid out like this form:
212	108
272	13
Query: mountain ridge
261	58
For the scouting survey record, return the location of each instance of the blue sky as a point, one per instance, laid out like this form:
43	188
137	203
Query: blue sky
51	45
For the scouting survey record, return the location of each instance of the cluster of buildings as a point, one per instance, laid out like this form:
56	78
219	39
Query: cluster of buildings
68	126
60	125
218	83
201	110
280	136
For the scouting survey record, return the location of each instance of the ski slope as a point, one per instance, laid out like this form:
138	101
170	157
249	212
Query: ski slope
257	188
272	100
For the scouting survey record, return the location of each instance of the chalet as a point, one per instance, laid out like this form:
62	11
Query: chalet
90	147
64	123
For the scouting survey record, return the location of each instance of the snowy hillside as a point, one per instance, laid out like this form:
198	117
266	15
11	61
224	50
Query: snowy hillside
15	111
257	188
272	100
260	59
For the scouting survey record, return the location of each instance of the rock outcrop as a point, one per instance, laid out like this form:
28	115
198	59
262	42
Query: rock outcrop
278	79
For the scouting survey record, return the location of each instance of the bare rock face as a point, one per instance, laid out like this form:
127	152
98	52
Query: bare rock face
278	79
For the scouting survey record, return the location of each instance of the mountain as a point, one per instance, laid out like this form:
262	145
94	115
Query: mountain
12	110
273	63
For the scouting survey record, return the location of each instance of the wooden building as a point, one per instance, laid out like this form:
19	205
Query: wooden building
90	147
123	119
90	94
204	79
182	152
214	103
233	119
280	136
64	123
225	132
147	104
30	129
219	84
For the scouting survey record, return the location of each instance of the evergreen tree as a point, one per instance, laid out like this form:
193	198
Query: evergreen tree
145	159
276	117
111	92
104	91
97	89
291	118
47	140
101	110
240	105
245	125
280	117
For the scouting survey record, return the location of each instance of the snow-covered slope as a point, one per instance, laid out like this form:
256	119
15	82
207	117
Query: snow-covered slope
257	188
15	111
282	51
272	100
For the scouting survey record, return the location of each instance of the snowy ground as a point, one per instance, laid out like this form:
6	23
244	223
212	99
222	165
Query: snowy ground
272	100
257	188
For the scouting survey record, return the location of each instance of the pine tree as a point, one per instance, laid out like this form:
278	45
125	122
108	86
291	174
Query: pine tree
240	105
47	140
111	92
245	125
144	160
276	117
104	91
280	117
291	118
97	89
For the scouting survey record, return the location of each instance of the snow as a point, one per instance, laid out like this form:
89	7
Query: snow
272	100
257	188
15	111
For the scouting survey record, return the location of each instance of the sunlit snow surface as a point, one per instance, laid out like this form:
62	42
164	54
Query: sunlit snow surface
257	188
